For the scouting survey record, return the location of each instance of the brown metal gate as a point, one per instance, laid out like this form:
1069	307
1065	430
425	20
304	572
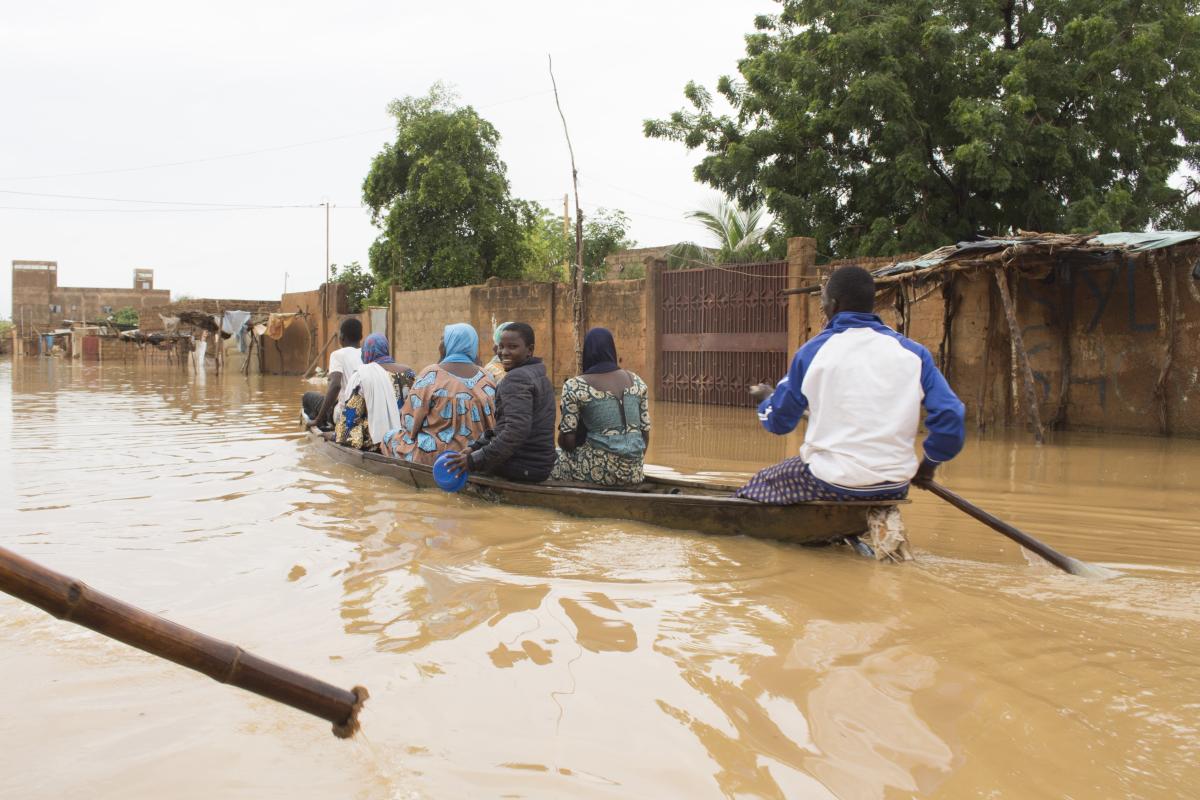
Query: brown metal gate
721	330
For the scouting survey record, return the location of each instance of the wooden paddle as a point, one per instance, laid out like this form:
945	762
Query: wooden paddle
1063	562
68	599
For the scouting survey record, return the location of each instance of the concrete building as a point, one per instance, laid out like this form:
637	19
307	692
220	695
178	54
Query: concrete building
40	304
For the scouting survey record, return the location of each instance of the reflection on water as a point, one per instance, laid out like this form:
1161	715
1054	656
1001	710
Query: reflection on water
511	652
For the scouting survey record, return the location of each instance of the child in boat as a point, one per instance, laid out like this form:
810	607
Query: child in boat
863	386
605	419
521	446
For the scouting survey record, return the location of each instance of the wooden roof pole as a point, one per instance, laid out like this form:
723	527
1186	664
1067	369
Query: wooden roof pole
1021	355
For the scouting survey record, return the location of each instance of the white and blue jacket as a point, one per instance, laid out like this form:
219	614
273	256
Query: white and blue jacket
863	386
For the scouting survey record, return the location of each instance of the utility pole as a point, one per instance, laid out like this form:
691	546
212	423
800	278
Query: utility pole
285	277
326	204
566	231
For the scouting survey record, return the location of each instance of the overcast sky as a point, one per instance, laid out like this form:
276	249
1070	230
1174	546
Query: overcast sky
99	96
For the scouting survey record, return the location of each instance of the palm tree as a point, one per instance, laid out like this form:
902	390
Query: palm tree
740	235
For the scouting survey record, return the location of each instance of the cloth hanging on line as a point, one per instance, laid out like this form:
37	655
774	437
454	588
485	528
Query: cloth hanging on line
278	323
234	324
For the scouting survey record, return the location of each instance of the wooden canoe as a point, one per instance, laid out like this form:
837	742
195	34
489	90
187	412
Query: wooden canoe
667	502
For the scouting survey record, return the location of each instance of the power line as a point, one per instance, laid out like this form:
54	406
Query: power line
188	161
258	151
158	202
171	210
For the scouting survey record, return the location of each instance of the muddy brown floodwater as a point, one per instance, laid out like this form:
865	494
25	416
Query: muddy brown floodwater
515	653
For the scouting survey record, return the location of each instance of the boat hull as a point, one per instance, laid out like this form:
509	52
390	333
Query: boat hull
676	504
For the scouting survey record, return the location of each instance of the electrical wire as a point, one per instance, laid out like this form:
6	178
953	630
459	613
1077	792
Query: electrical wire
242	154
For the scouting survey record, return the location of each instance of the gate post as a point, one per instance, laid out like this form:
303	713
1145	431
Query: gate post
801	270
653	299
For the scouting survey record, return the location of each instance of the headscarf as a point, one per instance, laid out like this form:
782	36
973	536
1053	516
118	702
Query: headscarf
376	350
499	330
599	352
462	344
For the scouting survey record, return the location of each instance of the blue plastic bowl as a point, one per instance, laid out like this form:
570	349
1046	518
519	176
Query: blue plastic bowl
448	481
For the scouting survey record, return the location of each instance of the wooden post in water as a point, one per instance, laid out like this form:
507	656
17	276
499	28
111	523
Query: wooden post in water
1021	355
73	601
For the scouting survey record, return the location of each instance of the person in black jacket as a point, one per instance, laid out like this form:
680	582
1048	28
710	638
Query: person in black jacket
521	445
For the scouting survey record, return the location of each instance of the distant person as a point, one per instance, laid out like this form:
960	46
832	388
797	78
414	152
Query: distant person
605	424
494	368
863	386
201	351
521	446
343	362
377	392
450	406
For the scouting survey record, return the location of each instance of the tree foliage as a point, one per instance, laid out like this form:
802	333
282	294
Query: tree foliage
126	316
547	249
359	283
892	125
736	235
440	195
604	233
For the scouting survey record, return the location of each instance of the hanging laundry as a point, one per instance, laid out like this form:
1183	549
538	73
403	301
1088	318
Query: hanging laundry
235	325
278	323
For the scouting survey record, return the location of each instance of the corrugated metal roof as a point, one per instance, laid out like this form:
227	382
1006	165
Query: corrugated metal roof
1110	242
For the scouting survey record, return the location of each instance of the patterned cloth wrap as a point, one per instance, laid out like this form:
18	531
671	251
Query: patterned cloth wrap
790	481
352	429
443	412
611	452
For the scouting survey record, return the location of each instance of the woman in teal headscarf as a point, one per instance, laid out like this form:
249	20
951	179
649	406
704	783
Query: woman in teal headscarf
494	367
451	404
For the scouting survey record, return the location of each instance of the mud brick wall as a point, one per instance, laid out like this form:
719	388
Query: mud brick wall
418	319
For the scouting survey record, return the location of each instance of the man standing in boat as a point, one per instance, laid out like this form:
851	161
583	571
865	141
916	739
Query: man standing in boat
862	385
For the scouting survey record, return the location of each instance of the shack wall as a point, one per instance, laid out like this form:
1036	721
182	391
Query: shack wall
1096	336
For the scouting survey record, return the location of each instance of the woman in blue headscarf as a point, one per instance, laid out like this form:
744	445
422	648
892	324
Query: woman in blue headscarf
605	424
377	391
451	404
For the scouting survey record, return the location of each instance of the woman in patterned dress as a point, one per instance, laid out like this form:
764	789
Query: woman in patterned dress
605	424
377	395
451	403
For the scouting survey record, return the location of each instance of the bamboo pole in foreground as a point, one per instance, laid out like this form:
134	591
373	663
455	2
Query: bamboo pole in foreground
74	601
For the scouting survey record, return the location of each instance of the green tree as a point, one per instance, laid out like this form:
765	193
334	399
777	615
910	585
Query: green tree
604	233
894	125
547	249
440	195
359	283
126	316
737	236
6	327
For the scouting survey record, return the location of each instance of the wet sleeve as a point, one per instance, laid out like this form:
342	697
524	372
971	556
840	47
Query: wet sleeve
515	397
781	412
945	415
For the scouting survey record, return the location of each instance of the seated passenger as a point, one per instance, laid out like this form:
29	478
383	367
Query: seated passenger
450	406
377	390
521	446
494	368
863	386
605	423
324	411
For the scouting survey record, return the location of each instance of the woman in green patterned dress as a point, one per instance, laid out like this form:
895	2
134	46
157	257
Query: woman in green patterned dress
605	423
